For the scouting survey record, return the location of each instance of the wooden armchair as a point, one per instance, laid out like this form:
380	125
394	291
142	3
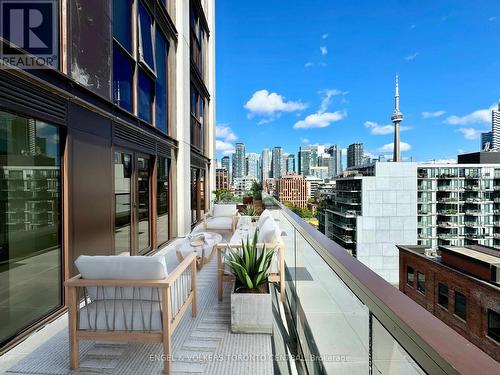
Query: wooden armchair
115	300
223	217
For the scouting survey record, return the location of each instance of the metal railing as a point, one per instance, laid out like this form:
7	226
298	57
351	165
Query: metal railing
346	318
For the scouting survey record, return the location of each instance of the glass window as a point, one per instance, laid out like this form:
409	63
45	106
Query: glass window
146	38
145	97
123	202
494	325
90	45
202	191
421	282
443	295
409	275
123	70
122	26
161	102
162	199
194	196
30	222
143	204
460	306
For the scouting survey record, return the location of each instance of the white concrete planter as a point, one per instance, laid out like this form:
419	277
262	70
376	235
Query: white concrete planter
251	313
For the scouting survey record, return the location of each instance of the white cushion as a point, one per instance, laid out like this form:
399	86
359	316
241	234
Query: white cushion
269	233
114	267
223	210
266	214
220	222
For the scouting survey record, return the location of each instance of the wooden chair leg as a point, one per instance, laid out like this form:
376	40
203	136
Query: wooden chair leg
167	352
220	273
193	288
74	348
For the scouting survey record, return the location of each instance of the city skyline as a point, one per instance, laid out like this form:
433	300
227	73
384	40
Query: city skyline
334	97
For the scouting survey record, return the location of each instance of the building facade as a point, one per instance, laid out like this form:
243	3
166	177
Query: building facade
277	162
290	164
495	127
242	185
265	158
96	151
335	152
355	153
293	188
458	204
486	141
239	161
222	179
451	204
252	165
460	286
370	210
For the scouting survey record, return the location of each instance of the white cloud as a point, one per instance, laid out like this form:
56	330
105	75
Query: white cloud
308	64
478	116
403	146
328	94
324	36
323	50
470	133
264	103
377	129
433	114
412	57
224	131
320	120
305	140
225	147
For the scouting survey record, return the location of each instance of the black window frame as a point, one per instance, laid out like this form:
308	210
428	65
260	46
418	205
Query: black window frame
493	335
408	272
441	296
420	288
455	310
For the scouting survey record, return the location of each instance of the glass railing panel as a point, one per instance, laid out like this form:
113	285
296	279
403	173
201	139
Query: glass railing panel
388	356
331	322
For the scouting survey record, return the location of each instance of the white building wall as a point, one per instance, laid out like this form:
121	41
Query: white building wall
182	112
388	217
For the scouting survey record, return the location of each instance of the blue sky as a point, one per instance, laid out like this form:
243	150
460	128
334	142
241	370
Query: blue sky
297	72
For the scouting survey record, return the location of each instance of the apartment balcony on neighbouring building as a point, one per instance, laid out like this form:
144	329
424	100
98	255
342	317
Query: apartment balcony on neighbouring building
337	316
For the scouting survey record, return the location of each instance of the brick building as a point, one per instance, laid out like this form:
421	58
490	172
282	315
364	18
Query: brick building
460	286
293	188
222	178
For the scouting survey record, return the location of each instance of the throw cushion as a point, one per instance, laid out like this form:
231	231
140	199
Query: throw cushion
269	233
266	214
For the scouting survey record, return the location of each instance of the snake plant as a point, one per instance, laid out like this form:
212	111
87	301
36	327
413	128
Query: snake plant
249	264
249	211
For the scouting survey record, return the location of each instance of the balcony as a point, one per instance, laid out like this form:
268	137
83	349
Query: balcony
338	317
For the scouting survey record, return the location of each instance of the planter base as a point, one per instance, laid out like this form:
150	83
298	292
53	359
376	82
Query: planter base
251	313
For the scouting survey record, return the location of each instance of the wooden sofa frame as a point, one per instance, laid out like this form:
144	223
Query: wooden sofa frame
168	324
